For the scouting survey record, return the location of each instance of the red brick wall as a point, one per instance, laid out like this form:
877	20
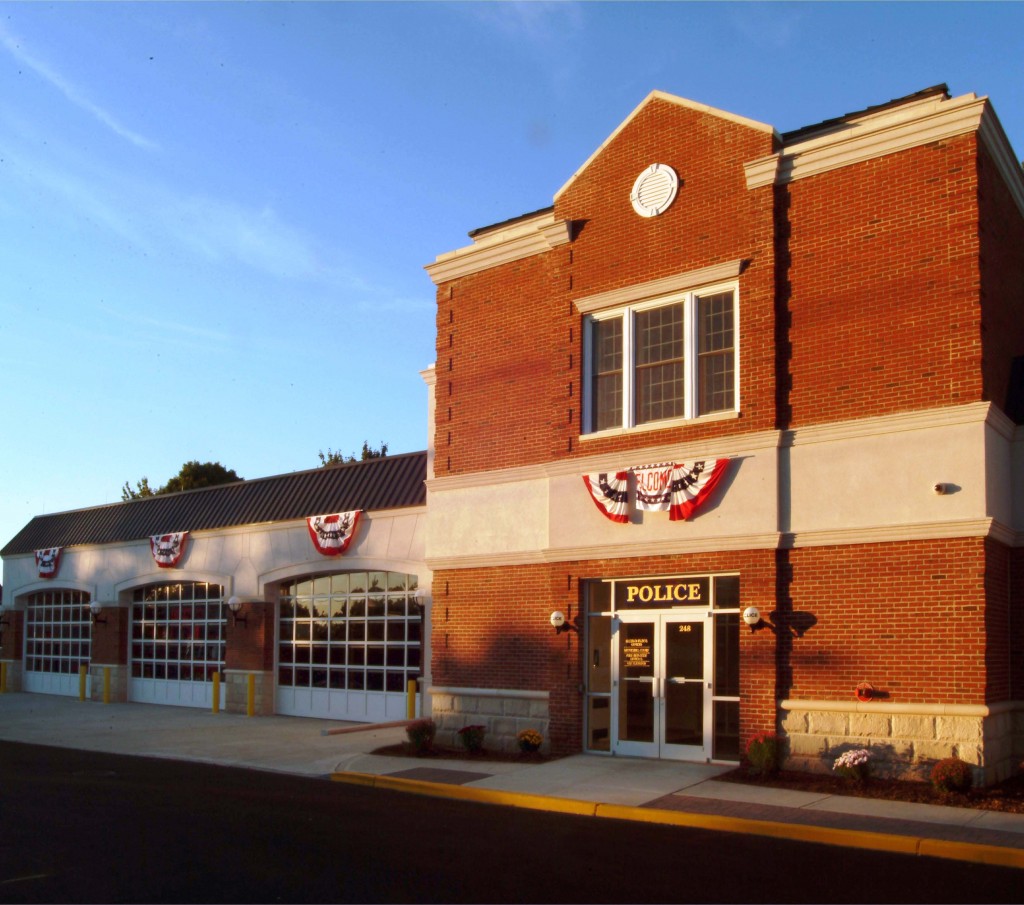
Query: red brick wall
249	645
509	344
13	638
884	285
491	630
1002	280
110	637
502	366
1017	623
910	618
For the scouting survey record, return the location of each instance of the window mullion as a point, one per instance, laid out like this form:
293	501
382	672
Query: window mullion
690	353
628	370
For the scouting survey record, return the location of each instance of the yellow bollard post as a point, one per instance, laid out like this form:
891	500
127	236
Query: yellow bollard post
216	692
3	678
82	672
410	708
250	704
106	684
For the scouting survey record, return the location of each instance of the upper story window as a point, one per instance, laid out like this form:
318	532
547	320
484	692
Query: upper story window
673	358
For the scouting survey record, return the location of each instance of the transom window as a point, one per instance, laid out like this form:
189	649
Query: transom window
670	359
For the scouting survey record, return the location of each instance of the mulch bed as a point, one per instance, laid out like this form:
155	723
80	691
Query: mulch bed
404	749
1008	796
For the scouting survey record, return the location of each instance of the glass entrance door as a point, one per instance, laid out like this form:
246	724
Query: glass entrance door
662	697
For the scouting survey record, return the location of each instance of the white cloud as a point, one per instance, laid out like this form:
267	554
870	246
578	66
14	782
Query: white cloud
536	21
72	92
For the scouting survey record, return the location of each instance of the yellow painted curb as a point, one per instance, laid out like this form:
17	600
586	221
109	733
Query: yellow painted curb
468	793
798	832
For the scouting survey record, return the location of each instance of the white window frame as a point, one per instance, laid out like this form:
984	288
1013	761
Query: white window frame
627	313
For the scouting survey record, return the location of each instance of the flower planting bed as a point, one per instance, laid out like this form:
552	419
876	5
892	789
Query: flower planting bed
1007	796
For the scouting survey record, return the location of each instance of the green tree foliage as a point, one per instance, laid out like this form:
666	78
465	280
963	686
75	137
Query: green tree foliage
193	475
339	458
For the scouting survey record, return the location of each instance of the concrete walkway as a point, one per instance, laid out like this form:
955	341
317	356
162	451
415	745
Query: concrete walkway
620	788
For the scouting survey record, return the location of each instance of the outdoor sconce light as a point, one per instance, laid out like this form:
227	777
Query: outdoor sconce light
752	617
96	607
235	604
558	621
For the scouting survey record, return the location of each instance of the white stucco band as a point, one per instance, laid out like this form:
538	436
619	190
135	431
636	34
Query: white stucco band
879	476
242	560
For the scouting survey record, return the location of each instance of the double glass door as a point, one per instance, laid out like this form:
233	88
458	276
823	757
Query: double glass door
662	689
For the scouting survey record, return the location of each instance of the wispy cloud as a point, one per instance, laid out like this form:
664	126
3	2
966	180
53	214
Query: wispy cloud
772	25
72	92
535	21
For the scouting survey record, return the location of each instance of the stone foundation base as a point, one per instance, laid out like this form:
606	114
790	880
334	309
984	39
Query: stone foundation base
236	690
905	740
503	712
118	682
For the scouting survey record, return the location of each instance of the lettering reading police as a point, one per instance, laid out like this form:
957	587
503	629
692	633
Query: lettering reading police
663	593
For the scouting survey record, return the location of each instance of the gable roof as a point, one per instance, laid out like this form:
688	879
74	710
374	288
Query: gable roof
679	102
391	482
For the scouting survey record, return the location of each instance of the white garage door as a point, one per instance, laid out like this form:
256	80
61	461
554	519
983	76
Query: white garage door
58	633
177	643
348	644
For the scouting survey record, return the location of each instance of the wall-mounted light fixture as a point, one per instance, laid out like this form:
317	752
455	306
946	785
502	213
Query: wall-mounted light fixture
235	605
752	617
560	624
96	607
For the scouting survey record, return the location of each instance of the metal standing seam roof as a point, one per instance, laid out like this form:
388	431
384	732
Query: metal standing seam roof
391	482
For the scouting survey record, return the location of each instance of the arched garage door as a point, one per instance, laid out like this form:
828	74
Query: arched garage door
177	643
347	645
58	633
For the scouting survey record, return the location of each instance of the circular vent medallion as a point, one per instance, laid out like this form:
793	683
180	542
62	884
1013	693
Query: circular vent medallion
654	190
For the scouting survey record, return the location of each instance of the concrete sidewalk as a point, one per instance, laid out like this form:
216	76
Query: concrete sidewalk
620	788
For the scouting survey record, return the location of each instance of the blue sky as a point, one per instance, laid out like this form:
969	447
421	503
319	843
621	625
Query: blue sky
214	217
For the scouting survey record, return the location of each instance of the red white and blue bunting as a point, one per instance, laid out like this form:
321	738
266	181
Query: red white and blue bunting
692	486
168	549
610	493
48	561
331	534
674	487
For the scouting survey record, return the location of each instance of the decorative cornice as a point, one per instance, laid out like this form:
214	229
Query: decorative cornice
875	135
968	710
521	693
625	550
523	239
993	137
889	534
721	448
680	282
843	537
972	413
762	171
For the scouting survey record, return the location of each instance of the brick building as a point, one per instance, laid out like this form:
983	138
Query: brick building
734	377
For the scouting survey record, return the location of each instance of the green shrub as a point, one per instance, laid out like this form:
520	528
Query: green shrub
952	775
764	754
421	735
472	738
